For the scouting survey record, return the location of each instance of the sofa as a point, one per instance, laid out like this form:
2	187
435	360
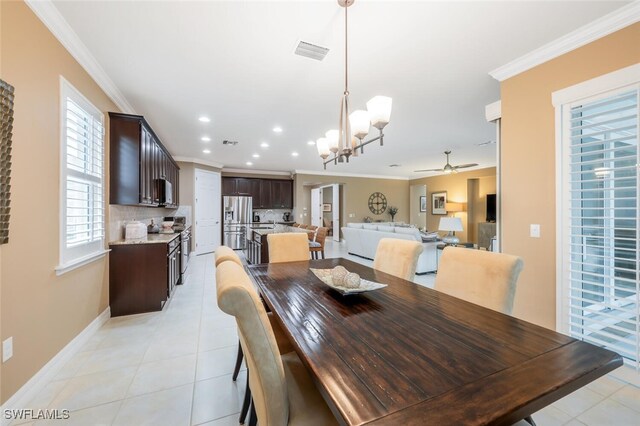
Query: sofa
362	240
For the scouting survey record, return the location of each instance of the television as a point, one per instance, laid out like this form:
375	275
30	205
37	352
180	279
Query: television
491	207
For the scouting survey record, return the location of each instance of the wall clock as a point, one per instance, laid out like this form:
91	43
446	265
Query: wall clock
377	203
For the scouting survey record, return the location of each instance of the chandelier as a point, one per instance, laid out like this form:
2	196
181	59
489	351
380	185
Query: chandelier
353	128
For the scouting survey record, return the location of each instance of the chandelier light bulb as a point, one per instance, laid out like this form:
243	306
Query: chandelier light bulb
359	120
333	138
379	108
323	147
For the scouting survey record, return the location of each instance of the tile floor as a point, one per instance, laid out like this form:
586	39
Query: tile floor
174	368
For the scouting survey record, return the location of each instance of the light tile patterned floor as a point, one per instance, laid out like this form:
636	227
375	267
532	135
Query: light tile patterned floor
174	368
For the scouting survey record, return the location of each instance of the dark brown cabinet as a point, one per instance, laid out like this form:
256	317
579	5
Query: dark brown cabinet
142	276
137	161
265	193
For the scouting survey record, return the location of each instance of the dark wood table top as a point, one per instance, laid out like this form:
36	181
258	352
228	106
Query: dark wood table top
407	354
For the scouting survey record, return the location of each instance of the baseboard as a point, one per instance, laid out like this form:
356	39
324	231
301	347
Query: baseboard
30	389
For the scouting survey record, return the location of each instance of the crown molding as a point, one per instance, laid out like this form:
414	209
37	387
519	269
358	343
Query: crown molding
356	175
46	11
599	28
256	172
493	111
199	161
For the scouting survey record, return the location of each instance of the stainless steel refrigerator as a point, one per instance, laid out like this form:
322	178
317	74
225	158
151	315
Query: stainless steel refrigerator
237	218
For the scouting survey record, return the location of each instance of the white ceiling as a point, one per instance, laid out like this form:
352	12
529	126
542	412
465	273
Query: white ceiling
233	61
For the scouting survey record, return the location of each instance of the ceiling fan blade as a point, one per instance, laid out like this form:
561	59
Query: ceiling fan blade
428	170
464	166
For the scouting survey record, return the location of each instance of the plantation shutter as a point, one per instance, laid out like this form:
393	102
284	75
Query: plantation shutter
603	264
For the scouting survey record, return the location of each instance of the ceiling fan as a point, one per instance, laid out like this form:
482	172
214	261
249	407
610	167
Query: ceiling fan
448	168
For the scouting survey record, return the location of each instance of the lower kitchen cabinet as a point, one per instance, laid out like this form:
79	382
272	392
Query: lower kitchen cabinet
142	276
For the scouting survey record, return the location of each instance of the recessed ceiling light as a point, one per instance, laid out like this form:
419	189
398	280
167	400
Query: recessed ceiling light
294	154
249	163
264	145
204	119
206	151
256	155
311	143
205	139
277	129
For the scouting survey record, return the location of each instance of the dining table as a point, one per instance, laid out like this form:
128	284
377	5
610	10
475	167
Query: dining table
406	354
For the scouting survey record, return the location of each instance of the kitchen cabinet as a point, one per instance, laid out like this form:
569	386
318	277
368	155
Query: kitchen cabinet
265	193
282	194
137	161
143	276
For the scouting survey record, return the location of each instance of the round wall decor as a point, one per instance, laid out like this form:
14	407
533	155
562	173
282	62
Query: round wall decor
377	203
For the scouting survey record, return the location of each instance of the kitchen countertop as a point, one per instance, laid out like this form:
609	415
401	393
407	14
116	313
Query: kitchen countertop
151	239
280	230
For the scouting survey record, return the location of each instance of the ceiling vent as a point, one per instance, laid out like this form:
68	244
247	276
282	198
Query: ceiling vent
394	165
485	143
230	143
310	50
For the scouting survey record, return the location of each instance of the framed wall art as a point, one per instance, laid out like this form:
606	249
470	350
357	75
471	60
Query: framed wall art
438	202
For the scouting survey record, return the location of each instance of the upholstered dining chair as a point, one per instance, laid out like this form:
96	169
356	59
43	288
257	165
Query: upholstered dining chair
481	277
288	247
282	391
397	257
282	341
312	227
317	246
224	253
303	226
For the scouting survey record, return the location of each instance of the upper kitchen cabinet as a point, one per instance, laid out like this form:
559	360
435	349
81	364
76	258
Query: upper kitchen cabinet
142	172
281	194
265	193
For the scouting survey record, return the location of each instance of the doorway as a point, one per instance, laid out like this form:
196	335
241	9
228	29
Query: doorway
207	211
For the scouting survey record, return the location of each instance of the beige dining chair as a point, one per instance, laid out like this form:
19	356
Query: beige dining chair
397	257
481	277
224	253
282	391
288	247
284	345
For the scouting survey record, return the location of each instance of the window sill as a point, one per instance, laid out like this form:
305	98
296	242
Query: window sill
63	269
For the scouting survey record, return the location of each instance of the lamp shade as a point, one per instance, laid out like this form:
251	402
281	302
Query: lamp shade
450	224
379	108
323	147
453	207
333	138
359	123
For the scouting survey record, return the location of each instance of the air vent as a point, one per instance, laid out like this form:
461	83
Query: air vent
230	143
485	143
394	165
310	50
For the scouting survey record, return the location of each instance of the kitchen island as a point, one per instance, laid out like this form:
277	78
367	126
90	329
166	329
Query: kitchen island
257	249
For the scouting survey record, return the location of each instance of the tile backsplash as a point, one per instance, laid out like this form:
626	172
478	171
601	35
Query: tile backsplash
268	217
120	215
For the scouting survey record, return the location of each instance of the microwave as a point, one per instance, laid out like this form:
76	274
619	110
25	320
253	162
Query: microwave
165	192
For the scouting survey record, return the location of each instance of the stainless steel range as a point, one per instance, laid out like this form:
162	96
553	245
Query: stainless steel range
180	225
237	219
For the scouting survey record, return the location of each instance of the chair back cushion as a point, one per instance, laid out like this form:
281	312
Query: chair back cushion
288	247
397	257
238	297
224	253
481	277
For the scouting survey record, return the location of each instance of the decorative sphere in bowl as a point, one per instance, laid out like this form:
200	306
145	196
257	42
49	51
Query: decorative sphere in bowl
338	275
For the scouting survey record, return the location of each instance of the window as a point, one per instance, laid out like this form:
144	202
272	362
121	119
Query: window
599	231
82	180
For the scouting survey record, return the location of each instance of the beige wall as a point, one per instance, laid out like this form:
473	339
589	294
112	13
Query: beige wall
355	196
41	311
456	186
417	217
528	165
